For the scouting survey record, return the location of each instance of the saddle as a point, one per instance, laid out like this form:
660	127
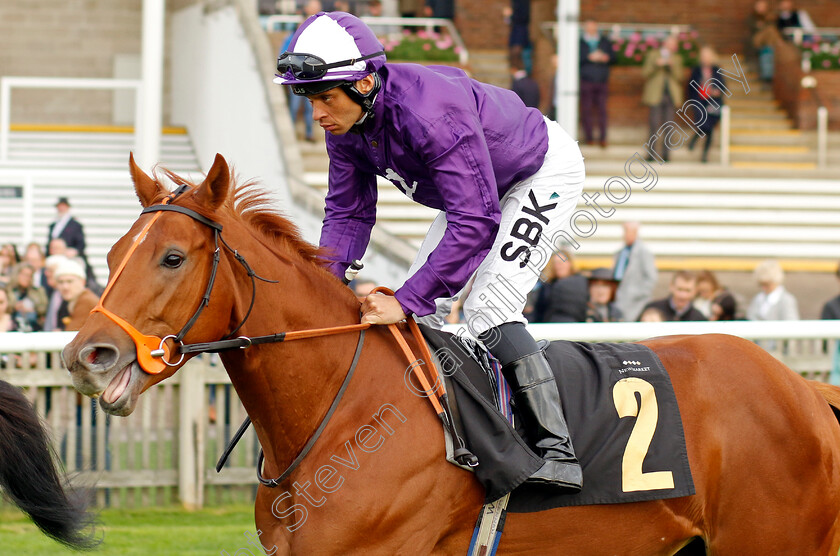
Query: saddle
620	407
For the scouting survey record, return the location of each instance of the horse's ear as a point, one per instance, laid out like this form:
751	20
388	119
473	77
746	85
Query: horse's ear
214	189
147	189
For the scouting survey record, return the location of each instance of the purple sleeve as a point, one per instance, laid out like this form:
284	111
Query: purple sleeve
456	152
349	214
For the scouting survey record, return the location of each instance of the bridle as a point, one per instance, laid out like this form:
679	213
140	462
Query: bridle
153	360
153	353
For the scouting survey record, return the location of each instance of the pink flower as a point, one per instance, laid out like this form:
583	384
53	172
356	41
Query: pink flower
628	52
638	57
687	45
636	37
457	49
826	64
615	47
427	46
422	34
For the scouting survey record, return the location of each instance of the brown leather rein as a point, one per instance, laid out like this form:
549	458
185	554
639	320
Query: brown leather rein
153	352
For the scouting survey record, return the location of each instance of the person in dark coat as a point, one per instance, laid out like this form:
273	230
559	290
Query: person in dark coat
596	55
563	296
524	85
72	232
601	306
677	306
831	309
707	77
67	228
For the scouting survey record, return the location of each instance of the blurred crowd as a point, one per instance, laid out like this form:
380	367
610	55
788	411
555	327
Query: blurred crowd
51	286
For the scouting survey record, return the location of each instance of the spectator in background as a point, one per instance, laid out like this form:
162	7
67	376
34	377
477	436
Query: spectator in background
8	259
523	85
663	89
7	323
54	300
707	288
601	306
788	16
411	8
57	246
635	271
67	228
29	302
831	309
299	103
765	38
713	300
374	8
440	8
711	97
34	255
651	314
70	280
563	295
677	306
773	302
724	307
596	55
518	16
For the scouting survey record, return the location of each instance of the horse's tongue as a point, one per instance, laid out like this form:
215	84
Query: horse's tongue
118	385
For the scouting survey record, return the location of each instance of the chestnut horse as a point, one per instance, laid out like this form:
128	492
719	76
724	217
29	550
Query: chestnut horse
33	482
763	443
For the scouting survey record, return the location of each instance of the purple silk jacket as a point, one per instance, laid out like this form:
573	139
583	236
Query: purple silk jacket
447	142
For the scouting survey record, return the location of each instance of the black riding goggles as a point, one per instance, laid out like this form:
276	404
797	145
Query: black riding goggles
309	66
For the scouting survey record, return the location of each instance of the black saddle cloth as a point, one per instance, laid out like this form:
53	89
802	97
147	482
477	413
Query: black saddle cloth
651	465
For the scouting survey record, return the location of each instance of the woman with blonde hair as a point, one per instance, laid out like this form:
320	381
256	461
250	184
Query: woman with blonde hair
773	302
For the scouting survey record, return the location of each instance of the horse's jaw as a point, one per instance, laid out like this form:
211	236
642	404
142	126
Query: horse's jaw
117	385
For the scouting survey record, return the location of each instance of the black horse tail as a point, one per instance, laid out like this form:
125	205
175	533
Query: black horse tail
31	480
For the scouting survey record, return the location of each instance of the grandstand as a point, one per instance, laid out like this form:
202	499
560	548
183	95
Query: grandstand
771	201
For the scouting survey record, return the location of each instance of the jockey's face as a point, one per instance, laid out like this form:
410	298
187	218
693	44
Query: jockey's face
335	111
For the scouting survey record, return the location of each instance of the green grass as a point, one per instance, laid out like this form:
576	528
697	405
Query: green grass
157	531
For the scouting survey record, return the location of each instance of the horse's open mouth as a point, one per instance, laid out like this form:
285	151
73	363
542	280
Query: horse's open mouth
112	396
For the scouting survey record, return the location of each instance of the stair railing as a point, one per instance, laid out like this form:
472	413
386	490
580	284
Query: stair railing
9	83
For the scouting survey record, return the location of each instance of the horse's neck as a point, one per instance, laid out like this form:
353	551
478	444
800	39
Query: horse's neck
286	386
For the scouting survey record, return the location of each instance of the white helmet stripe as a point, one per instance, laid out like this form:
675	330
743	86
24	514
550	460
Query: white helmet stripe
328	40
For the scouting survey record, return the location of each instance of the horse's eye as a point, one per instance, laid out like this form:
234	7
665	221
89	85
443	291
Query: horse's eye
173	260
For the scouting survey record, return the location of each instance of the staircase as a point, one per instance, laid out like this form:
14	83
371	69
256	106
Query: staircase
689	221
763	136
91	170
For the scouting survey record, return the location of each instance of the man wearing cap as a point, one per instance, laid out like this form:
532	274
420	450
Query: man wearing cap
505	180
70	280
67	228
601	306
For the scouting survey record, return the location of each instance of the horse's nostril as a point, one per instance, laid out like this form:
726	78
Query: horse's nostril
98	357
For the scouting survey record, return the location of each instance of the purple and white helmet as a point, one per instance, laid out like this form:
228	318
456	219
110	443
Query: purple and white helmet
327	50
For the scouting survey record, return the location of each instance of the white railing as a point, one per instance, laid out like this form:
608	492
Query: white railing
822	136
725	134
798	34
168	444
616	30
9	83
271	22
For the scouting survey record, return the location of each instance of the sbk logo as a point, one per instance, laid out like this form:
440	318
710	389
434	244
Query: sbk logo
529	229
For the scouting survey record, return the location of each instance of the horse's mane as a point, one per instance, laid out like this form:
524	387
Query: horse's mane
252	206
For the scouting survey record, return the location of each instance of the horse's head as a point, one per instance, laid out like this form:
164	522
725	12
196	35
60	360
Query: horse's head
159	272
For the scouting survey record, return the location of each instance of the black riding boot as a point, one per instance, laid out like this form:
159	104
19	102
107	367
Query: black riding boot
538	401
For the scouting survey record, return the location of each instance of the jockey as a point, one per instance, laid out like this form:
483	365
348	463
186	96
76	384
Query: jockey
503	176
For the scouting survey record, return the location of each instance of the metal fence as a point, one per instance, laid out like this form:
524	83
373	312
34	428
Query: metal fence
165	452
